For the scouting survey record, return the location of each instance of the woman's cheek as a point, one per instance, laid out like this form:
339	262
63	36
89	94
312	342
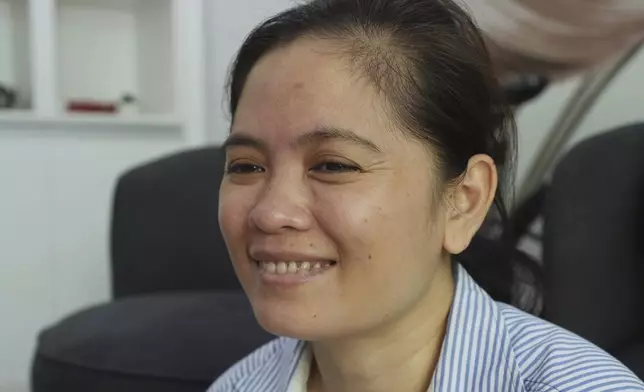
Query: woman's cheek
352	221
233	212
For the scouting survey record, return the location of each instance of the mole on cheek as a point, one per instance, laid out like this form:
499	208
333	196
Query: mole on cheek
369	256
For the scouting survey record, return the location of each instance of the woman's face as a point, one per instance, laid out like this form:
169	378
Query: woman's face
328	211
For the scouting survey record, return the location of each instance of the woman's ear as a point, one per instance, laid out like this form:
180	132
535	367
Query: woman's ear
468	203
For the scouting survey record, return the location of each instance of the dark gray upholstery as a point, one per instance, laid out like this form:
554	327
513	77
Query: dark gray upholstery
184	338
165	233
594	244
179	319
188	336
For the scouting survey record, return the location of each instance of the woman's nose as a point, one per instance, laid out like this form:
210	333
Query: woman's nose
281	207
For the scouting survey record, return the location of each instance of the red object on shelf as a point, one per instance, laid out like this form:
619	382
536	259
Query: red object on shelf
92	106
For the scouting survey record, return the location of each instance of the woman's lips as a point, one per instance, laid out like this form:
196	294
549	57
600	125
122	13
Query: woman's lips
292	271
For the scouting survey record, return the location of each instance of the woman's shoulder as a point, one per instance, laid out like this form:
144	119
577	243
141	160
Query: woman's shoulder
552	359
548	358
258	370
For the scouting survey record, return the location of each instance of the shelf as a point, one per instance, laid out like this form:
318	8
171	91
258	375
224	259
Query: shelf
16	119
57	52
107	49
14	50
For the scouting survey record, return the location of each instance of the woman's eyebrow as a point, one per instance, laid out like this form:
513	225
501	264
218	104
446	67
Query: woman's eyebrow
323	133
317	136
244	140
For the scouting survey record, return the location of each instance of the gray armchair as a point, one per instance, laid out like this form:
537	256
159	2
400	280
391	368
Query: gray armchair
179	317
593	243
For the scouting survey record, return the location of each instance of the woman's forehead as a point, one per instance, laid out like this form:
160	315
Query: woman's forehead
299	88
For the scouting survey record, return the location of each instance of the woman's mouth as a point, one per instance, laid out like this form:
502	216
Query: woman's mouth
293	271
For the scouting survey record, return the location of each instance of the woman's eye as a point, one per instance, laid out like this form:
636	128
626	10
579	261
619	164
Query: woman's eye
244	168
335	167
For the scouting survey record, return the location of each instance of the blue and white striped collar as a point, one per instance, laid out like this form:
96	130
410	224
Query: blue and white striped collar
489	347
475	354
477	351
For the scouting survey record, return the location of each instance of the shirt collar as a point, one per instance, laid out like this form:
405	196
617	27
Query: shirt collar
477	351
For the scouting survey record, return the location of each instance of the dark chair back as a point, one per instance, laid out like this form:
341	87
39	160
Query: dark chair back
165	234
594	244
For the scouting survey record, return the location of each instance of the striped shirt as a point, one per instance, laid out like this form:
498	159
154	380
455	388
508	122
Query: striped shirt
488	347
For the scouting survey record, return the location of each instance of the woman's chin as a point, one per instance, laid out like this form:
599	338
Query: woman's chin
293	324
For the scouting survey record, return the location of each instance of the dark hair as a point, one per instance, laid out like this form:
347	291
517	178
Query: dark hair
428	59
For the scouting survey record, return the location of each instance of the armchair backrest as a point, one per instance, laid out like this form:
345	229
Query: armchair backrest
165	234
594	242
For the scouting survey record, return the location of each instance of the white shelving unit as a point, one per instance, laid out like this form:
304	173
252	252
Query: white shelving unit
56	51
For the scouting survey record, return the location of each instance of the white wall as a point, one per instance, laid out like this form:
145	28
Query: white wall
105	41
228	24
108	50
55	198
14	69
7	68
622	103
154	57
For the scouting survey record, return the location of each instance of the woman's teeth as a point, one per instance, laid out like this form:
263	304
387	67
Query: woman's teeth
293	267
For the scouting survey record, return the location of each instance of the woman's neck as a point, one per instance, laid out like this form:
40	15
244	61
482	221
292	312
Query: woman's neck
401	356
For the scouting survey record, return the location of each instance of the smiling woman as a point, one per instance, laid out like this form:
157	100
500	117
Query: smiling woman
363	158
